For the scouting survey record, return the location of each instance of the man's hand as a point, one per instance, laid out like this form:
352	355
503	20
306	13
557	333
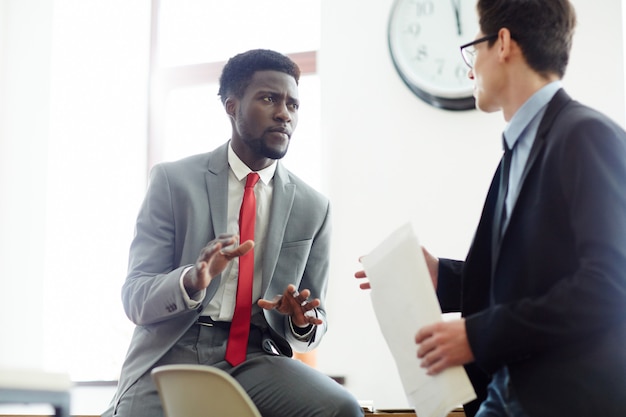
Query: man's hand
431	262
443	345
294	304
212	261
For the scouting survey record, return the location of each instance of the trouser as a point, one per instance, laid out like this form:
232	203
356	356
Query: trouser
501	398
278	385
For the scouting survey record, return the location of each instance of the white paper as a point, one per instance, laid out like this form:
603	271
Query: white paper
404	300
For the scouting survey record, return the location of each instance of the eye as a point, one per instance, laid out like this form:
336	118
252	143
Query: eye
269	99
295	106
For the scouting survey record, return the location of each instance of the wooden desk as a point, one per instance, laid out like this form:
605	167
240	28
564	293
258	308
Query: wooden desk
456	413
406	413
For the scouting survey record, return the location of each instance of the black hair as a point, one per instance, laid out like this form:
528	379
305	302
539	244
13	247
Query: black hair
238	71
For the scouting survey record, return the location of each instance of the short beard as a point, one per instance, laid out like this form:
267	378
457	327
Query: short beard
259	145
260	148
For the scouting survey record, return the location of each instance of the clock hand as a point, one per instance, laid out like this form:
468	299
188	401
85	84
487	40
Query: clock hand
457	14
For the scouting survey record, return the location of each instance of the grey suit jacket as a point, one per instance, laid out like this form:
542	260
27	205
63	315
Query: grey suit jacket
185	207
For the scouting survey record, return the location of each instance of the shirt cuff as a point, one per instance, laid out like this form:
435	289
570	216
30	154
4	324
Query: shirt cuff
303	334
194	301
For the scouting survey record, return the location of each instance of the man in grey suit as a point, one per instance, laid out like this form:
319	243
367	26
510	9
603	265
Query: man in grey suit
184	260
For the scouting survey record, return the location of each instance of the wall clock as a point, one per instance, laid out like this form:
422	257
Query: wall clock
424	38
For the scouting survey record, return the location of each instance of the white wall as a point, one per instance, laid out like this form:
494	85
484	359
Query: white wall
395	159
25	33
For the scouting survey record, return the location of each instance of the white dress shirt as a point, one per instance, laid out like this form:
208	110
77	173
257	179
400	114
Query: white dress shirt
222	305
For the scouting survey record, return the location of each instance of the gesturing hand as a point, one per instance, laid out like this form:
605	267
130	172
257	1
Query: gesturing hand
212	261
294	304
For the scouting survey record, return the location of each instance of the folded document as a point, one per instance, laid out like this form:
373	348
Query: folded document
404	300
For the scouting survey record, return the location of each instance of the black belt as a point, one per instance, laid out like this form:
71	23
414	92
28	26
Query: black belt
208	321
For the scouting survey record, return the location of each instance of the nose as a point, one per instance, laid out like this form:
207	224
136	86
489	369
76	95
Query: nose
470	74
282	113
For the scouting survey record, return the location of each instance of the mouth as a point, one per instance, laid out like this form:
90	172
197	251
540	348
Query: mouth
280	130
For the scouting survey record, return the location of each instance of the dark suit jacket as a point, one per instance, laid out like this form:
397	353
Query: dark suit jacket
185	207
558	279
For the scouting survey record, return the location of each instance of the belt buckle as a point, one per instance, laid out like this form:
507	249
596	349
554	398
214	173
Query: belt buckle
205	321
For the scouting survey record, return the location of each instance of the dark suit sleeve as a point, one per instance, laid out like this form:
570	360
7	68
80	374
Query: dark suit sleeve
449	294
449	285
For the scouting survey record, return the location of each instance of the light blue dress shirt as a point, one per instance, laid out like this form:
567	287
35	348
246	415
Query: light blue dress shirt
520	135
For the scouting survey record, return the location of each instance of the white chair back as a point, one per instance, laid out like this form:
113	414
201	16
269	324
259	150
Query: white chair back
201	391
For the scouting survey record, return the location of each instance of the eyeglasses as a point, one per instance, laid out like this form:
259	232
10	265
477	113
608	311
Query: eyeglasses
468	51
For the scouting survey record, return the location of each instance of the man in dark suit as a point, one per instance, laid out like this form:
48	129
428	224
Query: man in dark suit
543	288
183	285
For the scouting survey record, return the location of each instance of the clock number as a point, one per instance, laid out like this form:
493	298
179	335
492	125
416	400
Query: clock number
424	8
413	29
422	53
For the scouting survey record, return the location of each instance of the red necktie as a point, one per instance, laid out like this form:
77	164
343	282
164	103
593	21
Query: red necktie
240	326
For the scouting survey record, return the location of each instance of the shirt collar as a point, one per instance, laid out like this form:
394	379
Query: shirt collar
529	110
241	170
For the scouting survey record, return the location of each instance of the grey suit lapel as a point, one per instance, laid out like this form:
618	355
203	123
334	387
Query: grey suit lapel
282	202
217	188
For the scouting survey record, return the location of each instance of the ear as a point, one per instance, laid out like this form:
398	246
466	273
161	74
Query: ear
231	106
506	44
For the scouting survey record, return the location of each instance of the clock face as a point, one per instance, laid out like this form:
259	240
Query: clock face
424	40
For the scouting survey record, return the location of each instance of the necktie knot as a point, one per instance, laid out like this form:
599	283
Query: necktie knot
252	179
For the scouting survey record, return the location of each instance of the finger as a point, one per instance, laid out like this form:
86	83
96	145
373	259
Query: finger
209	251
270	304
200	268
427	346
291	292
310	305
360	274
298	298
365	286
304	294
433	366
239	250
226	240
301	298
315	321
423	334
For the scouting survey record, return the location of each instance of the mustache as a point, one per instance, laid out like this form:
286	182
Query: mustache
280	129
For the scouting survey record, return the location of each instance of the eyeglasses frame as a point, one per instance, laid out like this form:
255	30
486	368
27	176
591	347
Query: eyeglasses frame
474	42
